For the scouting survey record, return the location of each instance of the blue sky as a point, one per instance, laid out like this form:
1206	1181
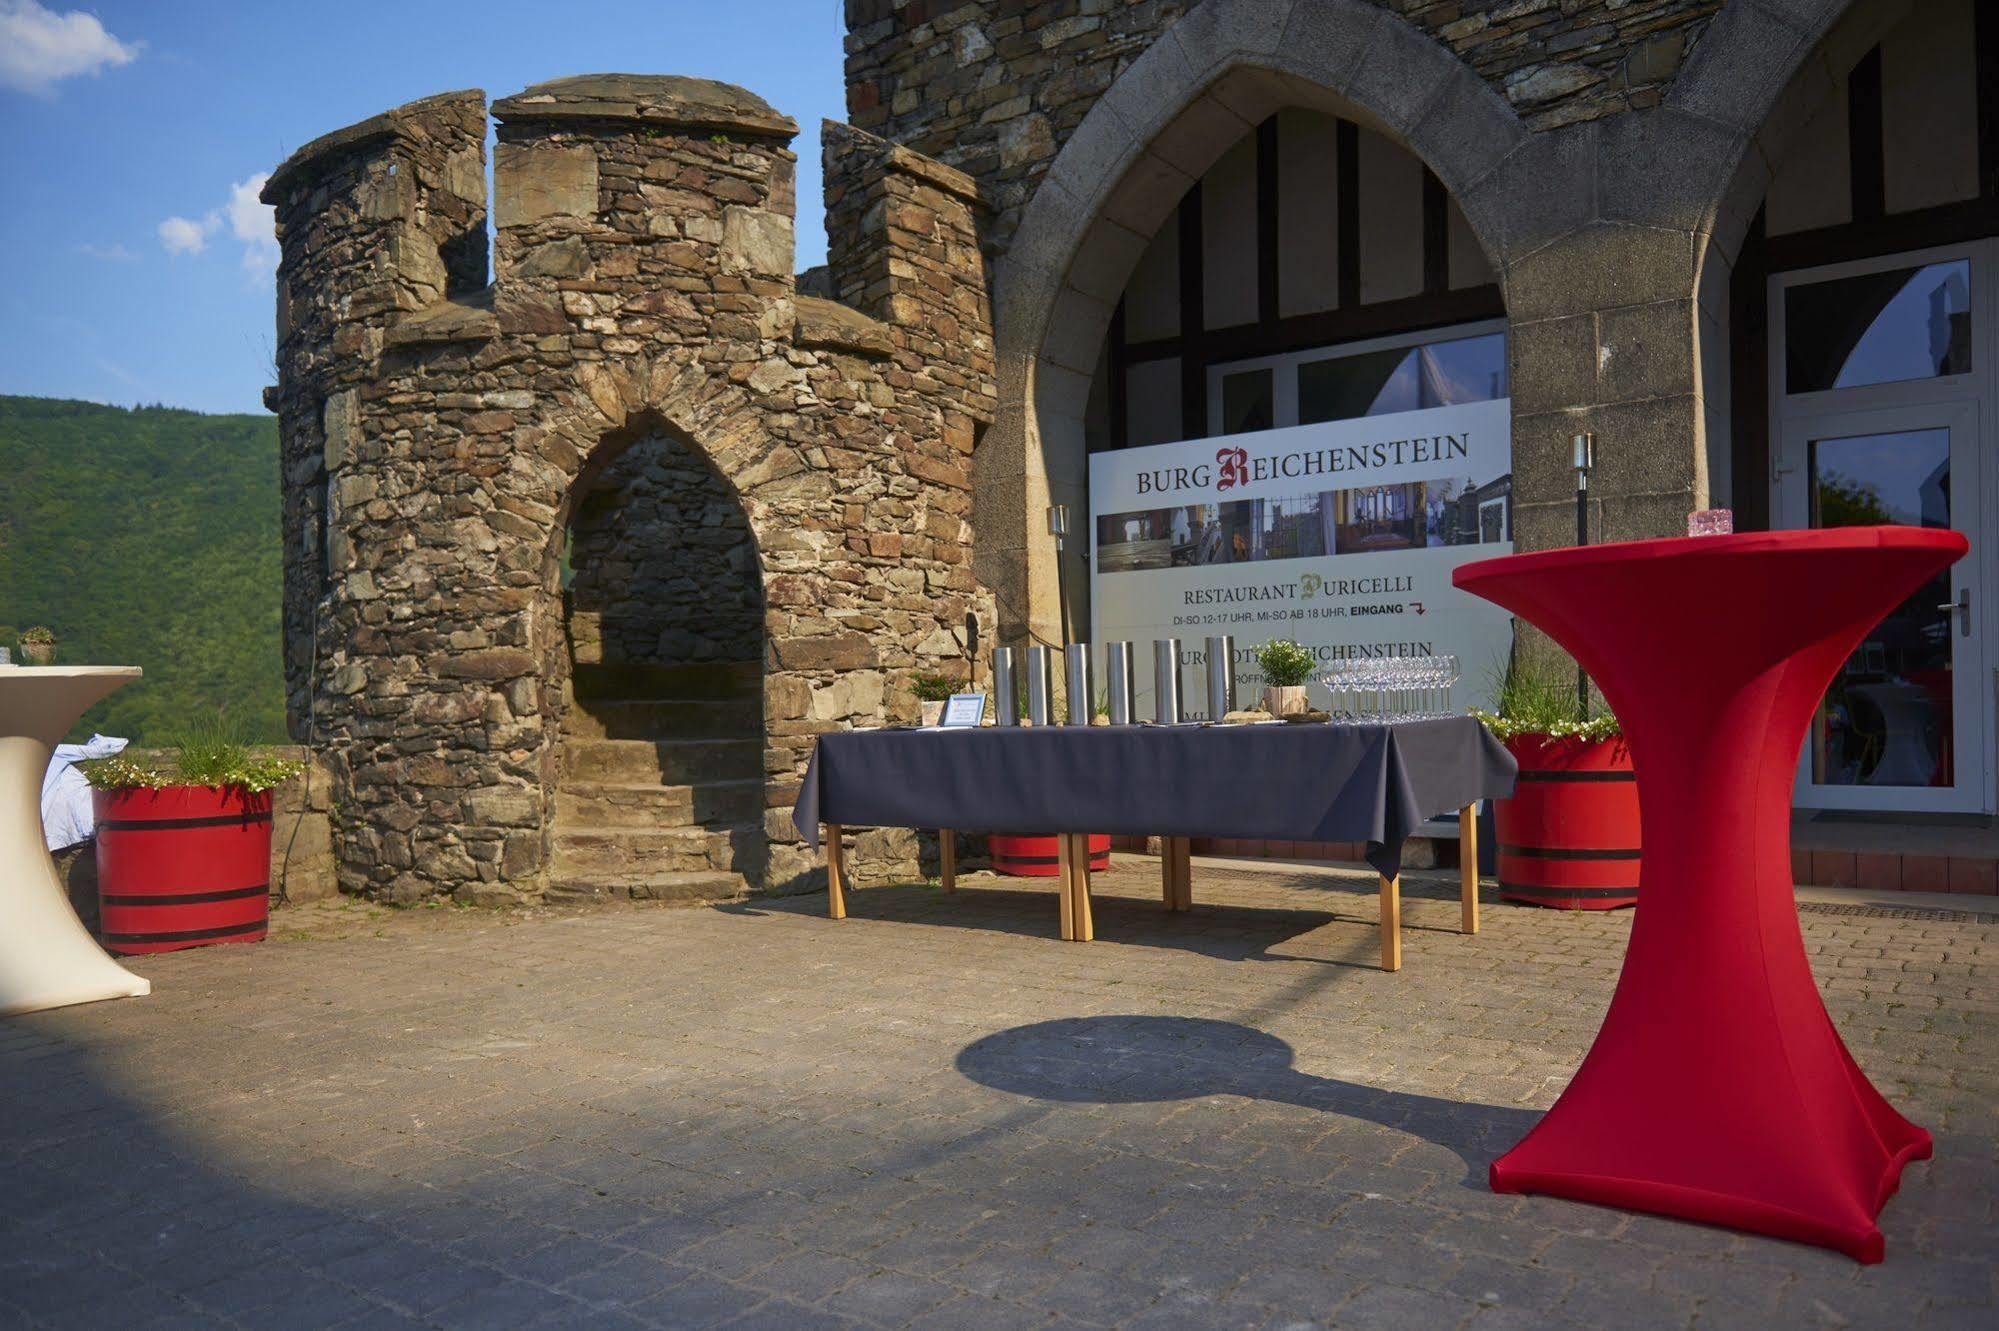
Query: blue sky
134	266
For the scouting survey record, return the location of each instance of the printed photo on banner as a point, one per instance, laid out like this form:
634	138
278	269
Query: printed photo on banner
1339	534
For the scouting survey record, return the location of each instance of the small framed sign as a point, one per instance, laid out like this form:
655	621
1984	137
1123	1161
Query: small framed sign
964	709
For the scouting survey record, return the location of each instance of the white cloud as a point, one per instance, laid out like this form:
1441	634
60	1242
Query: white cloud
254	223
112	253
184	235
39	48
249	222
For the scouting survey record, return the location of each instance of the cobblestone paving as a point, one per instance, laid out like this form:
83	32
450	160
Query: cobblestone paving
932	1115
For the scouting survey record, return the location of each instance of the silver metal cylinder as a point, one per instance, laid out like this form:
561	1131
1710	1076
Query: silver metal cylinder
1076	665
1006	691
1166	681
1119	679
1221	677
1040	684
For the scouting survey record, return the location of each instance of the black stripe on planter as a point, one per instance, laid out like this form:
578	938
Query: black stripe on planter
188	898
1544	775
189	935
1536	890
182	824
1569	853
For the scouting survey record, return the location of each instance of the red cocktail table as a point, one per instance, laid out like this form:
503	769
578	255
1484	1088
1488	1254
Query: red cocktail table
1718	1089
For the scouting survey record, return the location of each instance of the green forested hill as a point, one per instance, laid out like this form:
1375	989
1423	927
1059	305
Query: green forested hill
150	538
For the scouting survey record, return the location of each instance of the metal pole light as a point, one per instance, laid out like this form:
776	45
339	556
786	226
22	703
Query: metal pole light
1584	445
1058	527
1119	679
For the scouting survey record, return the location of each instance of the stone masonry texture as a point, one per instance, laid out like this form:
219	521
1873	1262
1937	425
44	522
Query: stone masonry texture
931	1115
994	87
440	433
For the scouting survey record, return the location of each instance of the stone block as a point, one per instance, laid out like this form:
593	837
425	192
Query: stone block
1325	38
340	423
1466	133
758	240
1600	267
1646	351
536	181
1076	329
1213	34
1663	168
1553	363
1739	67
1147	193
1400	73
837	651
1193	140
1544	189
1643	447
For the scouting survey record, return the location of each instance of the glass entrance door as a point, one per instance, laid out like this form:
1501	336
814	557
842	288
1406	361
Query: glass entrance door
1885	372
1901	726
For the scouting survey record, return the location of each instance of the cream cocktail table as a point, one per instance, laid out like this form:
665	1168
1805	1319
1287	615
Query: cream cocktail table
47	958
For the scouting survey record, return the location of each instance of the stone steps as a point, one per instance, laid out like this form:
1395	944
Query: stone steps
653	850
716	681
666	762
697	886
663	718
593	805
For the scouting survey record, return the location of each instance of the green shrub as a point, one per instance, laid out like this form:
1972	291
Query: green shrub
1285	664
205	753
930	687
1536	700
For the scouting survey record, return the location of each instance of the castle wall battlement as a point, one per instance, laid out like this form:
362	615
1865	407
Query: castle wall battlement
439	431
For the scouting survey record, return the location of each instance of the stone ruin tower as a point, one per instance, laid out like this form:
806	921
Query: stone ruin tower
579	560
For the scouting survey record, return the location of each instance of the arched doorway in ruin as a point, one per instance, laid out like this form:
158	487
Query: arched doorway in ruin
659	789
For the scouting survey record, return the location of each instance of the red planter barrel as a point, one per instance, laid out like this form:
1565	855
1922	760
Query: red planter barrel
1037	857
185	866
1569	835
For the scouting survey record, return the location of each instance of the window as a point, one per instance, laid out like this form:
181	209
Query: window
1376	383
1878	328
1405	372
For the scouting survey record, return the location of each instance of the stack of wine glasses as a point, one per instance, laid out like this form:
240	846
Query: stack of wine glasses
1382	690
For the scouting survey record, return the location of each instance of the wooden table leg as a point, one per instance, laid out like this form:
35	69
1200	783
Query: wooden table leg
1176	872
947	858
1079	892
836	893
1391	924
1468	869
1065	880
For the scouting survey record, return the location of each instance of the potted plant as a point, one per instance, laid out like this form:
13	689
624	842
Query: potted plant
932	692
1568	836
1286	666
38	646
184	844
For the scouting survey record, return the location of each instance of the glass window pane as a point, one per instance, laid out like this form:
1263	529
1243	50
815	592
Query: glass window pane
1375	383
1887	720
1248	401
1878	328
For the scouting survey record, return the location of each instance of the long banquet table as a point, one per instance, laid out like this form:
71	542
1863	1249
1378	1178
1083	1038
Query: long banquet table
1364	783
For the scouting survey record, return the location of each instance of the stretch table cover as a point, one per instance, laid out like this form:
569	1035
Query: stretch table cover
1369	783
1717	1089
46	957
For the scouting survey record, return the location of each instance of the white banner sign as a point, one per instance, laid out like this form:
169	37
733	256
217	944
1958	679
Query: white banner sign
1341	535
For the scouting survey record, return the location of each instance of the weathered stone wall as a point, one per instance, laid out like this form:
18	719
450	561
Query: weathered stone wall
663	566
995	87
643	285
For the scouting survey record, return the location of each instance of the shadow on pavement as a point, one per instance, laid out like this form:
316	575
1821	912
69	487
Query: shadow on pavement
1145	1059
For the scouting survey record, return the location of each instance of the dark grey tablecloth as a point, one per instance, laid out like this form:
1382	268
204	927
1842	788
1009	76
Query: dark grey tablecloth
1366	783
